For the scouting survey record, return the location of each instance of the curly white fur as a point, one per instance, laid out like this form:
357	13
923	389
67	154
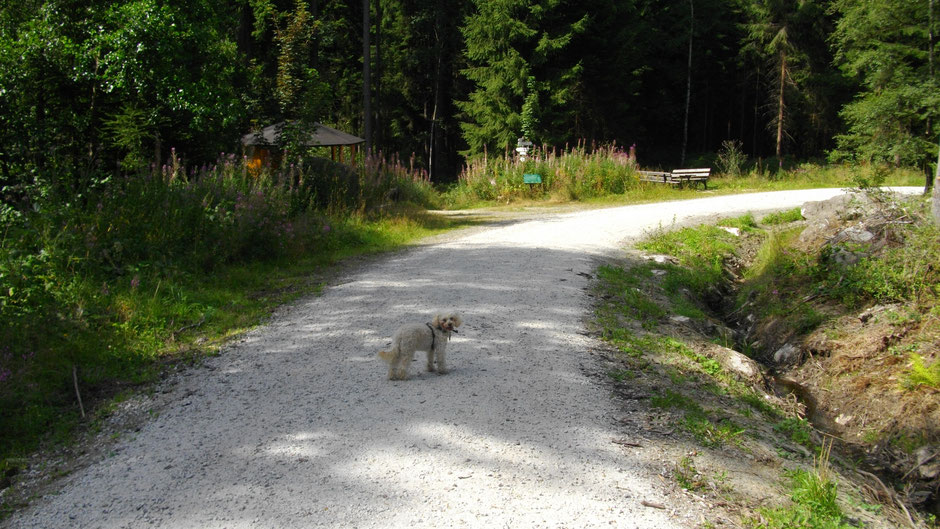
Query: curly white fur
431	337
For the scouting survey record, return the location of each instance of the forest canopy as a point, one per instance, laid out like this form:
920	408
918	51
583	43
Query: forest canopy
91	89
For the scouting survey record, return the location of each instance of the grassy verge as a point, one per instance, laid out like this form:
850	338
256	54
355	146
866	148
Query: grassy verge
872	326
607	175
98	293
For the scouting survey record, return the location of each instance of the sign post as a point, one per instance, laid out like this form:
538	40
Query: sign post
531	179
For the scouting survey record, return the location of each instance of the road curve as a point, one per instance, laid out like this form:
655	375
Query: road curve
295	425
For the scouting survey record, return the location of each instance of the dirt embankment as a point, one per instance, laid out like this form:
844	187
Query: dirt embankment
852	372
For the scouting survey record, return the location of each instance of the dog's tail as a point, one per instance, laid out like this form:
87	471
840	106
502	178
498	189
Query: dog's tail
386	355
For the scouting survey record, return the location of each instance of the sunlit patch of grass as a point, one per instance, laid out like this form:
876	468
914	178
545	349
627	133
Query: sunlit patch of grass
797	429
620	289
696	420
814	495
745	223
703	250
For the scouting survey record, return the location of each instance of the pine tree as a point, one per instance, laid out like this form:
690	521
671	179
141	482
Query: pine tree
523	80
784	35
886	46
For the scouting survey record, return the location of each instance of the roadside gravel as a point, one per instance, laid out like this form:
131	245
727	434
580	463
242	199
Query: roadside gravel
295	424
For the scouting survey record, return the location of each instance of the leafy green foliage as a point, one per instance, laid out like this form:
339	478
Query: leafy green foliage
570	175
523	81
731	158
798	429
106	287
921	374
703	250
815	506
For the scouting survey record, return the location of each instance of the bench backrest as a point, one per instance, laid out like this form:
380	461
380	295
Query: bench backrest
703	172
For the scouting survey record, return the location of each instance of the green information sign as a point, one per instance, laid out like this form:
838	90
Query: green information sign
532	179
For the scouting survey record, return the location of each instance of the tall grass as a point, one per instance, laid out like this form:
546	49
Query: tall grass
95	288
571	174
814	494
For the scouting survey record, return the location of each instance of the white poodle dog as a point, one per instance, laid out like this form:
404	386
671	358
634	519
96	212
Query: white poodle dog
431	337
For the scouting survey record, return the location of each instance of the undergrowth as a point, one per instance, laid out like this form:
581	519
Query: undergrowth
99	290
814	501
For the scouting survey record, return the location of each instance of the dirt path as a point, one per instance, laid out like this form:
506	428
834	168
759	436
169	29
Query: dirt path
296	426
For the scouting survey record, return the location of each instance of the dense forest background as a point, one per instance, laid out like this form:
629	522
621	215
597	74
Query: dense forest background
92	88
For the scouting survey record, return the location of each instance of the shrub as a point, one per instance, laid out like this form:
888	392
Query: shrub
731	158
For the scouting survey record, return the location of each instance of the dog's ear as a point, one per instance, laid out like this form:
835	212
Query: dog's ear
436	320
457	320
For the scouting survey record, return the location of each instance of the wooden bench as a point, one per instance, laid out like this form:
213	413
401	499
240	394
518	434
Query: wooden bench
678	177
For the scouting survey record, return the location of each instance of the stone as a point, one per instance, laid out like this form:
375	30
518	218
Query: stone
738	364
787	354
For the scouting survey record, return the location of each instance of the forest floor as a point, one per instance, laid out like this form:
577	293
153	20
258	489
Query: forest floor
295	425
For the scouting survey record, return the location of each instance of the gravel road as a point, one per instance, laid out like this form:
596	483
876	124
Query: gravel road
295	424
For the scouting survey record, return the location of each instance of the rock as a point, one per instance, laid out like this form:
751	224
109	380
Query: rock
843	207
738	364
857	234
928	466
844	419
661	259
846	258
788	354
733	231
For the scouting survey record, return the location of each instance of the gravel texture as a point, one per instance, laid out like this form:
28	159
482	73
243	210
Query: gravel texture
295	424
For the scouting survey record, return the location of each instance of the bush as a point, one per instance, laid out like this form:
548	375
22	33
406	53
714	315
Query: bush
731	158
573	174
98	283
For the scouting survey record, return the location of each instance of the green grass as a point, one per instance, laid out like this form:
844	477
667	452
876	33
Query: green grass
167	273
701	250
782	217
620	287
605	175
696	420
814	495
687	476
798	430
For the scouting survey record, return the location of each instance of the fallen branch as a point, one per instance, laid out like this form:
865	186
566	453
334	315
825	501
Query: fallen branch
894	498
192	326
624	442
78	394
920	464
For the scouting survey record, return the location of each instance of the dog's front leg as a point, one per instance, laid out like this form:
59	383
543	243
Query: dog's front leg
430	360
441	364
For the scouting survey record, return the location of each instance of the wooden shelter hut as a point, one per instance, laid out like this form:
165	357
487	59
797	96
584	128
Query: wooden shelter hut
262	146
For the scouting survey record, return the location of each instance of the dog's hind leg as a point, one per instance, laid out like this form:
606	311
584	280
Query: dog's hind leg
397	364
430	360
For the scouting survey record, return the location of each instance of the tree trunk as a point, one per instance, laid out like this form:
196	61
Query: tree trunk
688	84
366	74
378	127
936	191
783	78
438	95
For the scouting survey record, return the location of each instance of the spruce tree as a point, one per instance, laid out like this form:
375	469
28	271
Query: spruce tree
886	46
522	79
